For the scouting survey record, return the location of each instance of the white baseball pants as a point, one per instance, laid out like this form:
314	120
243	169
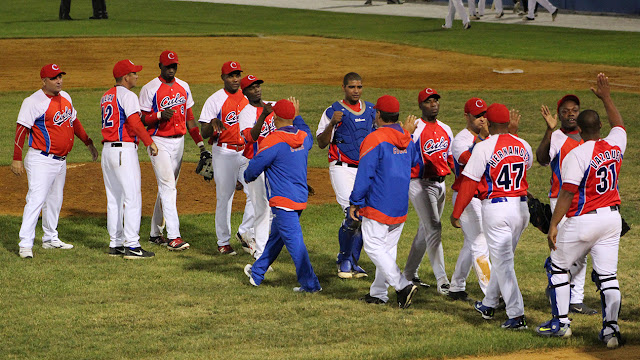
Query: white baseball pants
121	175
342	180
480	8
166	166
498	4
262	212
380	242
578	268
599	235
427	198
503	223
475	251
545	3
46	177
226	171
456	5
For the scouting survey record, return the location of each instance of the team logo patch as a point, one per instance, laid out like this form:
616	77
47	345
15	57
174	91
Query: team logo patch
231	118
233	65
431	147
479	103
55	67
61	116
250	77
168	102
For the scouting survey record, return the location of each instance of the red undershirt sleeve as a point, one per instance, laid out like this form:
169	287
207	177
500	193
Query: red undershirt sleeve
572	188
78	130
21	134
468	188
134	125
150	118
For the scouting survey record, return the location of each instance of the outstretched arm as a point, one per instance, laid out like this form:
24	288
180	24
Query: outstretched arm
542	153
603	92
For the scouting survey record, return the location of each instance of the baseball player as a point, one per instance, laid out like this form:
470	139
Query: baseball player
456	5
166	103
502	160
121	129
283	159
255	125
50	119
343	126
553	148
546	4
590	200
219	119
474	250
380	195
427	190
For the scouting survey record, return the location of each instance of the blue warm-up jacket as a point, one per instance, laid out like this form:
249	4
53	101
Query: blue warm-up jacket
381	188
282	156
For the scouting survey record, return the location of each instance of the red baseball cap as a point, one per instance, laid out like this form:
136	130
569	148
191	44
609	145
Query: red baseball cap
567	98
249	80
124	67
475	106
51	71
387	103
427	93
168	57
230	66
497	113
284	109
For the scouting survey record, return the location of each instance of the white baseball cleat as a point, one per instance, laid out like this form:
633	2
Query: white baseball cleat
26	253
247	271
56	244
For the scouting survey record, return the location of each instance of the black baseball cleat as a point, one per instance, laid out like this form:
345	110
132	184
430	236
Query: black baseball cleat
158	240
417	282
372	300
582	309
137	253
554	15
458	295
116	251
405	295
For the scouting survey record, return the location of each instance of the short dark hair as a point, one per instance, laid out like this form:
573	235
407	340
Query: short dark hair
389	117
589	121
349	77
118	79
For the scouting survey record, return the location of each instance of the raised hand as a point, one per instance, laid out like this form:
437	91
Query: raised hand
296	104
552	120
410	124
602	89
336	118
514	121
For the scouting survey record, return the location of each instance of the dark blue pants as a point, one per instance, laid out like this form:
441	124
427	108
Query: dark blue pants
286	231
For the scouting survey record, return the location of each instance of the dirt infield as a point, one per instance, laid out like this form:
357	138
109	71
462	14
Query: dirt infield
292	60
295	60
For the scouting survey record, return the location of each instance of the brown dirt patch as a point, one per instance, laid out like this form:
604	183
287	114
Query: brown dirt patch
294	60
84	193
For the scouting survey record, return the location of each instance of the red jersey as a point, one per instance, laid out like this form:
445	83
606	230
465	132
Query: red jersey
157	96
560	146
247	119
226	107
118	105
50	119
591	171
503	161
434	140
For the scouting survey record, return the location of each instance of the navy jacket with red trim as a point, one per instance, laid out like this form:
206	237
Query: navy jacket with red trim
381	188
282	156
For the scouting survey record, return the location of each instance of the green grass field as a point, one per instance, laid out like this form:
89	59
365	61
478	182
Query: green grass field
82	304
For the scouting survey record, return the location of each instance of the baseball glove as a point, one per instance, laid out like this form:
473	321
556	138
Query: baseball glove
625	228
205	168
539	214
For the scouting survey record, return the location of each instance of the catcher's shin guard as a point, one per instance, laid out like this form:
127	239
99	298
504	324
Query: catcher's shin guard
356	246
611	301
346	235
558	290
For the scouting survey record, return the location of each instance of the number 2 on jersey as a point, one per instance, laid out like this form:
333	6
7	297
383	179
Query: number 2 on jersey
510	176
107	112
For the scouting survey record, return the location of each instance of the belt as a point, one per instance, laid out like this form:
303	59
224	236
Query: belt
340	163
55	157
174	136
437	178
123	144
231	146
612	207
504	199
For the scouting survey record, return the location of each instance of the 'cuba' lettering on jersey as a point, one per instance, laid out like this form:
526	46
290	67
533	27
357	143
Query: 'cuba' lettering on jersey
431	147
301	147
168	102
397	151
61	116
500	154
598	159
267	128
